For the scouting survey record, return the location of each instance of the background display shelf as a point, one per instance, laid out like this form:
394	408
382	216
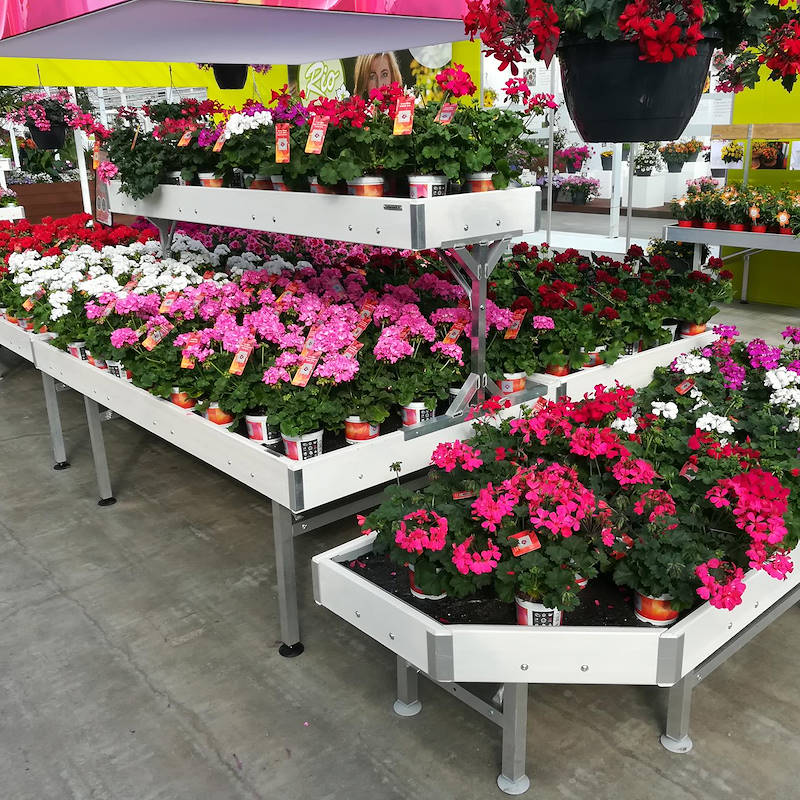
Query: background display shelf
514	656
12	212
751	243
635	370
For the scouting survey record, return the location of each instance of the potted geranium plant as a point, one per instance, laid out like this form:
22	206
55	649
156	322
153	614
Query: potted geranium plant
8	197
675	155
47	117
581	188
572	158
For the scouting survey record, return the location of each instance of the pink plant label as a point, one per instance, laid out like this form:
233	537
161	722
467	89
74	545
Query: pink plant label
446	113
316	136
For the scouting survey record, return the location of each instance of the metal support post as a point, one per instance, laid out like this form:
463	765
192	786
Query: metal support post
99	453
54	420
512	779
407	703
679	709
748	149
80	152
697	256
745	277
166	229
283	532
616	193
550	155
631	158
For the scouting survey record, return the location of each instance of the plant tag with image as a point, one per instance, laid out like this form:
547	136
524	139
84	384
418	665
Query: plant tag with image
303	374
187	362
688	471
463	302
464	494
526	542
282	152
240	359
166	303
512	331
218	145
454	333
539	405
28	304
446	113
288	292
404	116
684	386
308	345
185	139
157	335
316	136
96	154
352	349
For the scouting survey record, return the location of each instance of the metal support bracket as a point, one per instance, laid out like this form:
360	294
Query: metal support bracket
99	452
166	230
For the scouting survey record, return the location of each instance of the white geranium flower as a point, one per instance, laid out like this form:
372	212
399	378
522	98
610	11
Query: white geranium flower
788	397
627	425
780	378
668	410
714	422
691	364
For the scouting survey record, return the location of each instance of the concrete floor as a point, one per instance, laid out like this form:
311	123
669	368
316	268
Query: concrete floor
138	658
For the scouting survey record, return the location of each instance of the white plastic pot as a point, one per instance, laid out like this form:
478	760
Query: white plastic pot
175	179
368	186
359	430
656	610
303	447
412	586
535	614
78	350
415	413
117	369
181	399
210	179
480	182
261	182
277	183
320	188
259	430
420	186
513	382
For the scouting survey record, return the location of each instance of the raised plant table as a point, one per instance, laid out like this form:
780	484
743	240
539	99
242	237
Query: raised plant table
450	655
21	342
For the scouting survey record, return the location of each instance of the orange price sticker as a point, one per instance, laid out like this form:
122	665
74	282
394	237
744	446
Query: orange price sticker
282	151
185	139
303	374
219	144
404	116
316	136
446	113
240	359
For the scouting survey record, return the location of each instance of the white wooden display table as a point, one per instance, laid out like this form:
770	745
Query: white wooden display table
678	657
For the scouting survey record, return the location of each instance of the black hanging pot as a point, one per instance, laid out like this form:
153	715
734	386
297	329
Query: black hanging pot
230	76
613	97
49	140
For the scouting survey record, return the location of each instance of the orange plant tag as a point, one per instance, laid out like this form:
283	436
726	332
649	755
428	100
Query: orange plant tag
219	144
166	303
157	335
463	302
288	292
446	113
683	387
454	333
240	359
316	136
513	329
526	542
303	374
282	152
28	304
96	154
185	139
404	116
464	494
352	349
187	362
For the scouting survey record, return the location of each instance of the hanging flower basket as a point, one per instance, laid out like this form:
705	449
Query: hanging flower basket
230	76
612	96
49	140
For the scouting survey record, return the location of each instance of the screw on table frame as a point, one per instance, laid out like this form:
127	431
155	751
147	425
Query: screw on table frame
54	421
99	453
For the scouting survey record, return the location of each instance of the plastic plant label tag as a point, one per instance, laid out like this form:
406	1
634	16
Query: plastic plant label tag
185	139
303	374
512	331
689	470
404	116
446	113
96	154
187	362
539	405
352	349
526	542
240	359
684	386
308	345
288	292
166	303
157	335
360	327
282	152
454	333
464	494
28	304
135	136
218	145
316	136
463	302
208	274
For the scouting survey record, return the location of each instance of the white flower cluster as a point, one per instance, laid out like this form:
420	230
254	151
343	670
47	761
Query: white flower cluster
627	425
691	364
780	378
788	397
697	395
667	410
794	425
239	123
714	422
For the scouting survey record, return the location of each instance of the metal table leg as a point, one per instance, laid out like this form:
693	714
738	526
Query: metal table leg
512	779
679	710
407	703
745	277
54	420
283	531
99	453
697	258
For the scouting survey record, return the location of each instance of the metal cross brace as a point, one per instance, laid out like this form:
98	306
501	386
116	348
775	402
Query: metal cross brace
166	230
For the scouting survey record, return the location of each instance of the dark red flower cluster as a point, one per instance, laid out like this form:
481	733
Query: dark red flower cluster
782	54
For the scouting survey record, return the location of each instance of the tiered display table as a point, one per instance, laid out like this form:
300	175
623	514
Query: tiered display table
8	212
750	244
513	656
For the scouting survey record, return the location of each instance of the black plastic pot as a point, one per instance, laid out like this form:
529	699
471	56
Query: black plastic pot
642	173
717	173
613	97
230	76
49	140
693	156
674	166
607	162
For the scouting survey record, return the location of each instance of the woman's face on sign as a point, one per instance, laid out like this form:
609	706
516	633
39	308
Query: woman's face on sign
380	72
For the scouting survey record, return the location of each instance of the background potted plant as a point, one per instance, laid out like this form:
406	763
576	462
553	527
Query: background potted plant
675	155
581	188
646	159
607	159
